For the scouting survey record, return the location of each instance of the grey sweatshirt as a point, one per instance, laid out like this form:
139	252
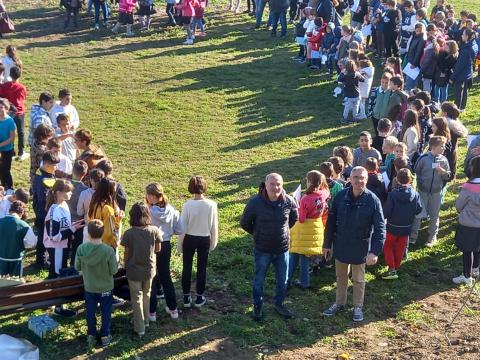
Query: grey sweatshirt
167	219
429	180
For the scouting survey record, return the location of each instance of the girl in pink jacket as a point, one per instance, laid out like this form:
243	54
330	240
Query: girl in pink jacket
187	7
125	16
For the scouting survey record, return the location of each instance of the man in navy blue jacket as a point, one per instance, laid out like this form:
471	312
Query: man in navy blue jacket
269	216
356	231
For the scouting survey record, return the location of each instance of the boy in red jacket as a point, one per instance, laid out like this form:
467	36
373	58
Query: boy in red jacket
314	41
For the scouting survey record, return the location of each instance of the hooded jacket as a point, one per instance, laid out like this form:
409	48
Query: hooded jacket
428	61
443	71
463	69
415	49
355	227
270	221
167	219
468	204
429	180
400	209
98	265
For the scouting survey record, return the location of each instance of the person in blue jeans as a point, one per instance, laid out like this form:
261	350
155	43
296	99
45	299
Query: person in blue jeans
278	11
97	5
98	263
260	7
268	216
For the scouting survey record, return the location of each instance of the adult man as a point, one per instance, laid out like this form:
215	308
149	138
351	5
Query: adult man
356	229
269	216
16	236
39	114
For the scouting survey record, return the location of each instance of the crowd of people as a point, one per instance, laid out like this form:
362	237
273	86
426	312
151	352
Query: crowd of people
358	204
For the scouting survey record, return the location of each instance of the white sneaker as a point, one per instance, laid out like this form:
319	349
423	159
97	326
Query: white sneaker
431	242
462	280
152	317
173	313
476	272
23	157
188	42
96	27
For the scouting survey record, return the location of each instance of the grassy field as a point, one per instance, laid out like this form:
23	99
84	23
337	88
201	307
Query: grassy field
233	108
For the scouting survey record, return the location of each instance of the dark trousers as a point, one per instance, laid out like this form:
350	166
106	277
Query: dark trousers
200	245
6	169
71	11
375	124
282	17
391	47
163	278
251	6
470	260
20	123
40	256
461	92
302	51
52	274
293	10
380	42
91	301
76	242
171	14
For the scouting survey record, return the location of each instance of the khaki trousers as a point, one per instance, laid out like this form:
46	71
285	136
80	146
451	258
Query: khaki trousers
358	278
140	298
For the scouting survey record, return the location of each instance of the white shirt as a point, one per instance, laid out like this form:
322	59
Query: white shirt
4	207
8	63
69	110
69	149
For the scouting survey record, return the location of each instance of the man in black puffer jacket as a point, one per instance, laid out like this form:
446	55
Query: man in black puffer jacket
269	216
279	9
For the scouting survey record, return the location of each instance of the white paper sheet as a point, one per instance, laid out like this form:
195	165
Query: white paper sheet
297	194
411	73
386	180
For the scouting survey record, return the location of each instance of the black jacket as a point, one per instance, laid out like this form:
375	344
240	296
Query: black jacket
270	222
350	81
415	50
402	205
463	69
376	185
445	64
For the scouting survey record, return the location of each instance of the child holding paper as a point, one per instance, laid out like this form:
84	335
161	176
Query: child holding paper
414	55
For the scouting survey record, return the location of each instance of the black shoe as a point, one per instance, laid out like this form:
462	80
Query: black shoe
257	312
200	301
283	311
60	311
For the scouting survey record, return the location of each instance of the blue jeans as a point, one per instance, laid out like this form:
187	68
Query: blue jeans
262	263
410	83
304	268
104	8
260	7
91	301
282	16
89	7
441	93
198	22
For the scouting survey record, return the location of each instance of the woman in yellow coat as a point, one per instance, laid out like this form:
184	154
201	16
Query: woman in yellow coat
306	237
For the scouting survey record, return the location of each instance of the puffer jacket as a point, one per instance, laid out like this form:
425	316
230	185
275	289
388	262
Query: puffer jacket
270	222
429	180
468	204
428	61
463	69
307	237
415	49
402	205
355	227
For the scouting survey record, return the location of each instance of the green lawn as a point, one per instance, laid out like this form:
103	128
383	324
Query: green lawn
233	108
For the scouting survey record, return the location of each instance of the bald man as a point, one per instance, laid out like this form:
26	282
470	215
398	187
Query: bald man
268	217
356	233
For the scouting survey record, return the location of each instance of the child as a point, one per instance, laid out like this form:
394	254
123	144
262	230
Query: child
410	134
467	236
415	53
345	153
367	70
64	134
64	106
433	172
457	130
98	264
200	223
379	101
39	191
375	181
167	219
64	167
120	195
170	10
408	18
198	18
72	7
7	138
388	150
365	150
384	129
338	168
80	169
402	205
188	12
350	79
39	114
429	59
445	62
94	177
314	42
393	63
300	38
145	10
41	135
397	99
307	234
6	202
424	121
327	46
391	19
125	16
334	186
141	242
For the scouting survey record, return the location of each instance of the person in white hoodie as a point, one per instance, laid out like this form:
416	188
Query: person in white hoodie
200	235
367	70
167	219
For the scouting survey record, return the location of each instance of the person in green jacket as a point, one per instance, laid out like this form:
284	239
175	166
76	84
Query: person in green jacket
98	264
